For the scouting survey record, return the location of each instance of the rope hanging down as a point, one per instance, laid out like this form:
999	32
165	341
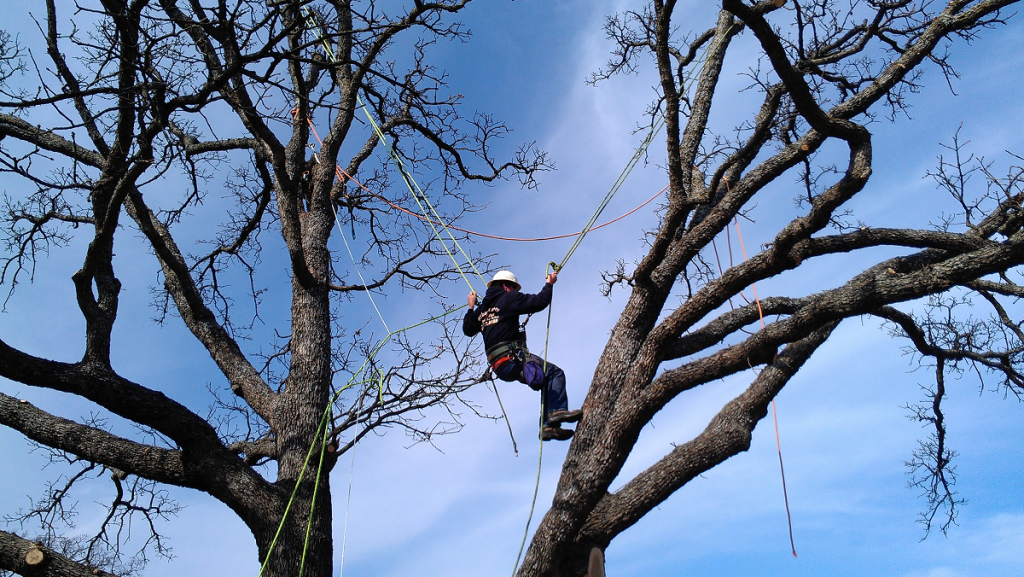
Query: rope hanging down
323	437
775	418
637	155
410	182
408	179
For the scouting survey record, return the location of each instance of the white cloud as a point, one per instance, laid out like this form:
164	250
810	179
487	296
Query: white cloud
935	572
1001	539
462	512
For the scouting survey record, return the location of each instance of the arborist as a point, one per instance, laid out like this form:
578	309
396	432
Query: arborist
505	342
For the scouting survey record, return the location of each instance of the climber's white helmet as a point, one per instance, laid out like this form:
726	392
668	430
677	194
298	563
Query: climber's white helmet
506	276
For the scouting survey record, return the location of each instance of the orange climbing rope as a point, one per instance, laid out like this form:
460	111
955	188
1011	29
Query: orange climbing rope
775	418
342	175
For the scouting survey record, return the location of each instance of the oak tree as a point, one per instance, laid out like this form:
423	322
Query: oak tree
825	69
134	115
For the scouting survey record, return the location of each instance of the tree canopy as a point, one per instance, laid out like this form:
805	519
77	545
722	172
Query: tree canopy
189	137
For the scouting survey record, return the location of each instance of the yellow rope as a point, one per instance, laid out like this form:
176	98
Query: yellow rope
417	194
640	151
410	182
325	435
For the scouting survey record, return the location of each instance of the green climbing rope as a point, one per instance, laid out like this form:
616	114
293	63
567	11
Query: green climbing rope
418	195
414	188
640	152
422	199
323	435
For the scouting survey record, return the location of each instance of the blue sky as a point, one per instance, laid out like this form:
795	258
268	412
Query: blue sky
460	508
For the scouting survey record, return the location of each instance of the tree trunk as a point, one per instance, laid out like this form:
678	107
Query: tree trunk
286	555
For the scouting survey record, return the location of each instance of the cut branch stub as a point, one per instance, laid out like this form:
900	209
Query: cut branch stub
35	556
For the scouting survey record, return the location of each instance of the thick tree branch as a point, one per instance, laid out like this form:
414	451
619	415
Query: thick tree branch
222	474
48	140
244	378
94	444
728	434
47	563
895	280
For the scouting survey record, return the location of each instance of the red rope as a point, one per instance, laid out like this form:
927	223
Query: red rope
778	443
342	175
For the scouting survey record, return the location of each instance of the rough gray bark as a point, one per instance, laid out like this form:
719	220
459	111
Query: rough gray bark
13	552
813	94
138	97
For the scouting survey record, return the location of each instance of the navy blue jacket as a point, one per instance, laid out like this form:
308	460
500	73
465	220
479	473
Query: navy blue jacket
497	315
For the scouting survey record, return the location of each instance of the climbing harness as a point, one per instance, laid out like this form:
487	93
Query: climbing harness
511	361
556	267
434	220
503	353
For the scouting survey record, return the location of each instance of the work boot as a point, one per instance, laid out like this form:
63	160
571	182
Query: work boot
563	416
556	433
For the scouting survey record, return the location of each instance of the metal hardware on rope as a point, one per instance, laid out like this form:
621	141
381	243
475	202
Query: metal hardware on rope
325	421
641	150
